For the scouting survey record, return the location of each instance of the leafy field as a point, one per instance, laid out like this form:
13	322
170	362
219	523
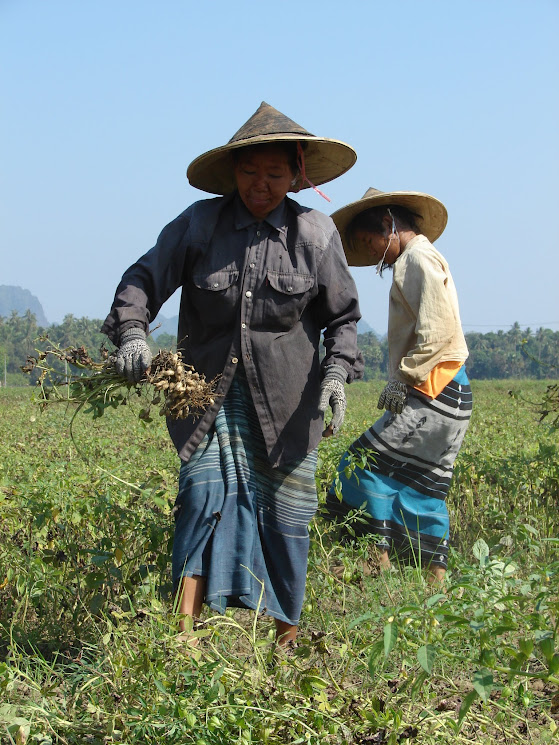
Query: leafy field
89	649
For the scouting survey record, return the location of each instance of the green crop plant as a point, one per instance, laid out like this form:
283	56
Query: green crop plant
90	649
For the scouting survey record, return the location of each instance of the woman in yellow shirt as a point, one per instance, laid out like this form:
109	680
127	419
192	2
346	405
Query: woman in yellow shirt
410	451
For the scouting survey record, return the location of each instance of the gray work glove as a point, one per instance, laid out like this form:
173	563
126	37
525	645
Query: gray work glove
332	394
134	356
394	397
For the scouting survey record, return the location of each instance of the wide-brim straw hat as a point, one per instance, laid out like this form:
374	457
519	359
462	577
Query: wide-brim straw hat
325	159
431	217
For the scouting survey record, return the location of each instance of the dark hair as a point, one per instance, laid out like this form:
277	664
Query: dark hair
289	148
371	220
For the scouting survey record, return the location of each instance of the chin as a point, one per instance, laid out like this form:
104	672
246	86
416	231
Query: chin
261	207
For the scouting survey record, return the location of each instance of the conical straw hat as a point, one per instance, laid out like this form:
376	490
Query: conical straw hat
325	159
431	217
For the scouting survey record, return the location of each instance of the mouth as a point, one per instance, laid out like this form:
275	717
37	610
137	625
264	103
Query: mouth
260	200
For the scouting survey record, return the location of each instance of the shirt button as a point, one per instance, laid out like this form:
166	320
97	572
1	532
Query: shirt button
248	293
215	284
234	360
252	264
290	289
258	233
243	325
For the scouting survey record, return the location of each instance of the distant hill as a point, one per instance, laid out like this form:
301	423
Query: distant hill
364	328
169	326
16	298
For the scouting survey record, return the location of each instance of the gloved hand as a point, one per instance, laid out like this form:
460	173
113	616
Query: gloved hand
134	356
394	396
332	394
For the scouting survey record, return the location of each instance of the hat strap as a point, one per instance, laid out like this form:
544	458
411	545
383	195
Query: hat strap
304	177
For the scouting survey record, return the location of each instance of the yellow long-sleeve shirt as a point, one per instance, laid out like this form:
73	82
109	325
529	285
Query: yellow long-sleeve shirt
424	326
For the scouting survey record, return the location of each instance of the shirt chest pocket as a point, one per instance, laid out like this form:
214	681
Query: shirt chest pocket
287	296
216	281
216	292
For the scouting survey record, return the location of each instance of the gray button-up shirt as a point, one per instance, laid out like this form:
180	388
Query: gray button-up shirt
256	293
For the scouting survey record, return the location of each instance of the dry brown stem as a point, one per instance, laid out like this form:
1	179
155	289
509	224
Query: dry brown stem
175	387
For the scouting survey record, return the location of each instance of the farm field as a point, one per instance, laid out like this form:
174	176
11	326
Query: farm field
89	647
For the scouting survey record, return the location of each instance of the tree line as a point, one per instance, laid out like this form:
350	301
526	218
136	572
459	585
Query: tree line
496	355
516	353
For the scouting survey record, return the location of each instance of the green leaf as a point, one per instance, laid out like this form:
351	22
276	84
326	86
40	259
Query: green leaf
376	651
94	580
96	603
434	599
418	683
481	551
547	645
483	683
465	707
541	634
360	619
317	682
390	637
426	656
218	672
213	693
453	618
502	629
99	559
553	664
304	651
487	657
526	646
306	687
20	729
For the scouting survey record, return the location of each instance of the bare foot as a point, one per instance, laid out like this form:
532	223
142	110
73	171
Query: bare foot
384	561
436	575
285	633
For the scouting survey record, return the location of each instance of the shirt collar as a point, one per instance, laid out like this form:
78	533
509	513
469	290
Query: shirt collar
419	238
276	219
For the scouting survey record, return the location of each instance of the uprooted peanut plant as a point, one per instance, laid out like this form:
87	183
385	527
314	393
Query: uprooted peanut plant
170	384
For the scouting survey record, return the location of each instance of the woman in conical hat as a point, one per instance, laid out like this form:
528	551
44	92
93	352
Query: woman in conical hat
315	160
411	449
262	278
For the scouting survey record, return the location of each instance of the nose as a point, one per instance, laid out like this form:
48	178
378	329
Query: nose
260	182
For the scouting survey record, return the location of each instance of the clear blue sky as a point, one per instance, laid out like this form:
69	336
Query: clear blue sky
105	103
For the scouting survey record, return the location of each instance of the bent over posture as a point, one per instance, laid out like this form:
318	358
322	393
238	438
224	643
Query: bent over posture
409	452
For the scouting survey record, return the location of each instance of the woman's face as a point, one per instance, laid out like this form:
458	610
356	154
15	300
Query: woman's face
263	179
375	244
